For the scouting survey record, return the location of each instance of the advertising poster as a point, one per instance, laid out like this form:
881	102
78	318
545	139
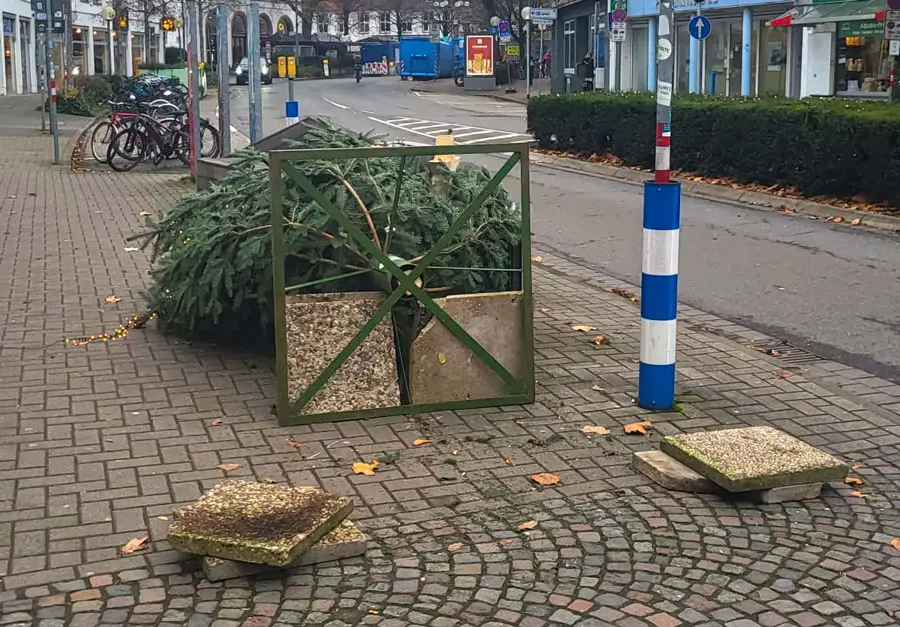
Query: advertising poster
479	55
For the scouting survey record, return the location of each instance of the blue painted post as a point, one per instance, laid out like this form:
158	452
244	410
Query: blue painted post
291	112
746	62
694	66
659	295
651	55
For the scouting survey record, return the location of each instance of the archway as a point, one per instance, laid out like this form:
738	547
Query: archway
265	26
238	37
285	26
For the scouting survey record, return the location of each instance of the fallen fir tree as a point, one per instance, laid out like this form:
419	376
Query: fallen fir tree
211	254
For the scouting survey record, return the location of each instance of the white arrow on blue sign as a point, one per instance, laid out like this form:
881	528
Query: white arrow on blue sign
699	27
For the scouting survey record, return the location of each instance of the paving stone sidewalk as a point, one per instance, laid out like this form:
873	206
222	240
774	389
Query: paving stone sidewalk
100	444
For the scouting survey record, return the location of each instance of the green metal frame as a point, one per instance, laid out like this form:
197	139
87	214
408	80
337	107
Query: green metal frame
281	162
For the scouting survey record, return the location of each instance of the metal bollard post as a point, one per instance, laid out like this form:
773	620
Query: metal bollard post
662	218
291	106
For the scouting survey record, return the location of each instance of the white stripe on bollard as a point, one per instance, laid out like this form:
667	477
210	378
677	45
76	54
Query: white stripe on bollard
660	252
658	342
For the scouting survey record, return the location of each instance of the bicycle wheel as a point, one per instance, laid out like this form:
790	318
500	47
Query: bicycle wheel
100	139
126	150
210	141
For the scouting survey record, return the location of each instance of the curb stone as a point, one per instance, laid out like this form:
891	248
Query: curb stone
720	193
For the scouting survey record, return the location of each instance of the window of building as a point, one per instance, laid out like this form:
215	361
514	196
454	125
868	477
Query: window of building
639	51
322	22
863	63
569	59
427	19
406	24
384	22
362	22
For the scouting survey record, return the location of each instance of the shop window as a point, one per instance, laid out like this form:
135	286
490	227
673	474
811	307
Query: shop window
569	59
639	51
863	64
772	60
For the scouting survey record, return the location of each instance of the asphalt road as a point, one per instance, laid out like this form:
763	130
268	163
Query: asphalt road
829	288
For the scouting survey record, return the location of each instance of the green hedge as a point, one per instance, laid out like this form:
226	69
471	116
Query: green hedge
816	146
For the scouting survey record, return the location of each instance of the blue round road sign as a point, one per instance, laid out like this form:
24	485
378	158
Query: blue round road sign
699	27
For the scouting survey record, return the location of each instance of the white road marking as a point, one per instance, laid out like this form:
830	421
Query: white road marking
336	104
431	129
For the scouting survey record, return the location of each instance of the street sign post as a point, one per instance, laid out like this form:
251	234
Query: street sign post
892	25
503	32
539	15
699	27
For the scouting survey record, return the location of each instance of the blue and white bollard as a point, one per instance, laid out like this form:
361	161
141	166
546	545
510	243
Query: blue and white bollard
291	112
659	295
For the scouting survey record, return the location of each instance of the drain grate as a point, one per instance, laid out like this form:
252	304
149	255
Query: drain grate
785	352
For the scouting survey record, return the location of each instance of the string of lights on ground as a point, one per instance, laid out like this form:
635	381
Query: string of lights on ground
136	321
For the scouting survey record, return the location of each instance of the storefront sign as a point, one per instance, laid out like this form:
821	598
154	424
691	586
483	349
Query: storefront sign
860	29
479	55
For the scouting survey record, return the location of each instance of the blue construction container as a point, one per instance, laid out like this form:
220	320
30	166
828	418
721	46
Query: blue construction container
420	59
374	51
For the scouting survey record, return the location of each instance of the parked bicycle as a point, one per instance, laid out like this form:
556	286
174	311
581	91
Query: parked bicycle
144	138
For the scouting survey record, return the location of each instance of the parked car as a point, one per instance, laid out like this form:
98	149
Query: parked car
243	75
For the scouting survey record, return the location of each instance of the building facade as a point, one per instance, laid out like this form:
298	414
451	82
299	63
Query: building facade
17	48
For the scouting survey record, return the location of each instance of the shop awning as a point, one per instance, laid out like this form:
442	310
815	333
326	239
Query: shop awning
810	14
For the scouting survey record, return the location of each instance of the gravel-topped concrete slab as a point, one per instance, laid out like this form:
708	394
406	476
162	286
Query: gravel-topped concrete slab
257	522
754	458
344	542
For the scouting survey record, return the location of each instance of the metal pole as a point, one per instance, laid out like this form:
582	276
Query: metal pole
694	61
528	60
51	73
223	71
193	85
662	209
253	67
746	56
42	84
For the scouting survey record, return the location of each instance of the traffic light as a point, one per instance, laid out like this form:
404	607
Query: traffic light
167	23
123	20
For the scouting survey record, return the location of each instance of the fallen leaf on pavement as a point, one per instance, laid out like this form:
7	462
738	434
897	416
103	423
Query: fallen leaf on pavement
131	249
544	309
595	430
373	612
292	442
455	547
545	478
896	543
421	441
537	259
855	222
362	468
442	358
638	427
583	328
163	517
507	542
135	544
596	388
228	467
859	494
113	299
786	210
215	422
144	214
785	374
853	481
508	461
525	526
600	339
268	480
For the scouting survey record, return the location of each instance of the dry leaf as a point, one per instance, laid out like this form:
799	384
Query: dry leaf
508	461
292	442
859	494
596	388
144	214
113	299
455	547
420	442
543	309
163	517
507	542
228	467
215	422
785	374
853	481
537	259
583	328
362	468
856	466
135	544
268	480
373	612
442	358
600	339
131	249
855	222
545	478
595	430
638	427
525	526
896	543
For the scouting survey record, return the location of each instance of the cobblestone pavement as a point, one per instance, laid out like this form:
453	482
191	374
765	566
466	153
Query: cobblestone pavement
99	444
